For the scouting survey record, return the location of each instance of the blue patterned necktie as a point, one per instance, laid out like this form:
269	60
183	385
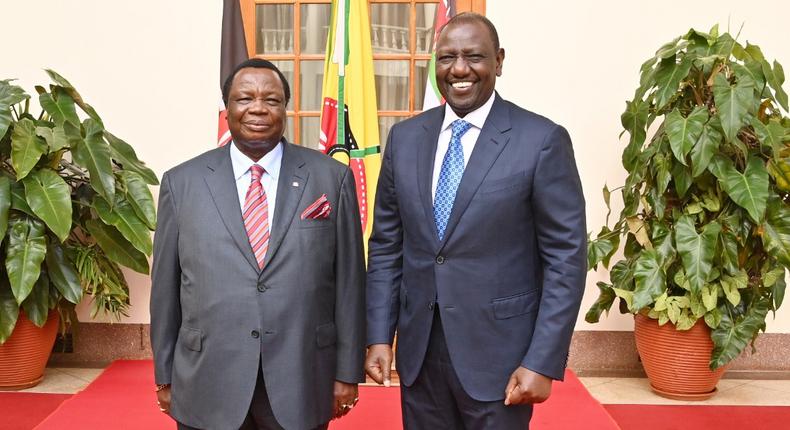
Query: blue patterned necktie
449	177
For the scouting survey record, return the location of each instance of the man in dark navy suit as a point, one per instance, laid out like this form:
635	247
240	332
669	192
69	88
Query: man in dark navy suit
478	252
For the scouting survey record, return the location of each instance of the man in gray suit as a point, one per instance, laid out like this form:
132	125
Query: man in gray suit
478	251
257	303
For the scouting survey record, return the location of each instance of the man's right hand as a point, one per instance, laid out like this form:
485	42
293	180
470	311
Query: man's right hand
163	399
378	363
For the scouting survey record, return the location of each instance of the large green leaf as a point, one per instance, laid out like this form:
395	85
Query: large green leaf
139	196
684	132
733	103
603	304
748	189
122	216
94	154
681	176
771	134
9	309
731	284
117	248
650	279
776	231
25	251
669	74
728	251
5	120
124	154
634	119
703	151
56	137
696	250
60	106
10	94
18	201
50	198
731	337
63	274
5	204
776	78
26	147
36	305
60	80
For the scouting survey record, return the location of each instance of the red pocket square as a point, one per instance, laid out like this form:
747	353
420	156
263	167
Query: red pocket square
319	209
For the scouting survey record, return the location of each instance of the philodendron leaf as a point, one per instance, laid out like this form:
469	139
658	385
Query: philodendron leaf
63	274
748	189
776	78
55	137
60	80
117	248
770	135
696	250
5	204
50	198
597	251
733	102
703	151
669	74
26	249
5	120
728	251
650	280
94	154
139	197
603	304
26	147
60	106
124	154
11	94
731	337
9	310
634	119
122	216
776	231
684	132
18	201
36	305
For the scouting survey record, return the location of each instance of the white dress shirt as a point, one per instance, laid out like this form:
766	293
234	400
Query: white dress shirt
271	173
477	118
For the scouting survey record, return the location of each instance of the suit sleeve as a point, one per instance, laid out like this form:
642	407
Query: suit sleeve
349	286
385	256
558	205
165	286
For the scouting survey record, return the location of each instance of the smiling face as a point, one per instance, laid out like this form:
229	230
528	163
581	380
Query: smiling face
256	111
467	64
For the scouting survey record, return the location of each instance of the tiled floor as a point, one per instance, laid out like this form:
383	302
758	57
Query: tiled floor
606	390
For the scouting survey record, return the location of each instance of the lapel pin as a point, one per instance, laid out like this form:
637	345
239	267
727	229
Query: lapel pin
295	184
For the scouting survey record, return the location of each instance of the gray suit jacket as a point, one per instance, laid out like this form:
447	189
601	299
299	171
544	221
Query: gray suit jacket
508	276
215	315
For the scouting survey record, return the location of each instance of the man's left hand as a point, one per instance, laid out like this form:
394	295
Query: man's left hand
526	386
346	397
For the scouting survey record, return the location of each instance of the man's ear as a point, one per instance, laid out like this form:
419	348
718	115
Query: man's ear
500	58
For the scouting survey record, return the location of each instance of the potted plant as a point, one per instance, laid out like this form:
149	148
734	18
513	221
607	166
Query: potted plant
706	215
74	205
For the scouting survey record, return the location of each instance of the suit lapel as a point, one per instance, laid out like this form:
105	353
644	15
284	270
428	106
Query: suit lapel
288	197
425	163
492	140
222	186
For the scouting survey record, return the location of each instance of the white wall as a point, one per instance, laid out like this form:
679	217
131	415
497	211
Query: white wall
151	67
577	62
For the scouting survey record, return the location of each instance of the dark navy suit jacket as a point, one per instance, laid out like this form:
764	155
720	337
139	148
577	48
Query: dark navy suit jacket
509	275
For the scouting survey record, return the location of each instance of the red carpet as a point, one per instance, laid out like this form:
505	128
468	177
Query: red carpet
684	417
123	398
22	411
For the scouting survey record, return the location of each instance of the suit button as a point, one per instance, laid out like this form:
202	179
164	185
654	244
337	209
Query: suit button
440	259
430	306
261	287
255	334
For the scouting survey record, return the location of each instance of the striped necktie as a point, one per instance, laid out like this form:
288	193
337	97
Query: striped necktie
449	177
256	215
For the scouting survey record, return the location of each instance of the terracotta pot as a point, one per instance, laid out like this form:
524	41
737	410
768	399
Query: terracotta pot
677	362
24	355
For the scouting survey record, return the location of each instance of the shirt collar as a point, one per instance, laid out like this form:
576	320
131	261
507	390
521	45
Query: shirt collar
477	117
270	162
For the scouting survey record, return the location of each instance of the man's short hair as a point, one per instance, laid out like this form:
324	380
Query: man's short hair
474	17
258	63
